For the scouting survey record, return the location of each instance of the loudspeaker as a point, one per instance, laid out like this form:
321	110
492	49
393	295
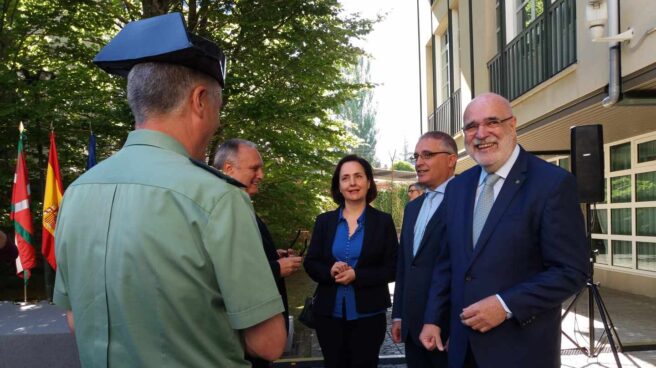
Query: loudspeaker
587	158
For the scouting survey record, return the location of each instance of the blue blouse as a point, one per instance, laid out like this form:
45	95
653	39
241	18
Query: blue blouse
347	249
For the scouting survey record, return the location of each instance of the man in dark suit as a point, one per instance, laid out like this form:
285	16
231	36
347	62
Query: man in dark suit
240	159
435	161
515	250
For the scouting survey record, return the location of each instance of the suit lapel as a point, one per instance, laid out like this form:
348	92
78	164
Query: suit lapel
470	199
430	227
510	187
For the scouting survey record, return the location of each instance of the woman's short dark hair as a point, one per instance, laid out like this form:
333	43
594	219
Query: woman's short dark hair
368	171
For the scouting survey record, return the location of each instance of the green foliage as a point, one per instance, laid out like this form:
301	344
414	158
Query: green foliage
360	111
284	79
403	166
393	200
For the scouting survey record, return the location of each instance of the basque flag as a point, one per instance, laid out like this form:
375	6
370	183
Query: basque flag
21	215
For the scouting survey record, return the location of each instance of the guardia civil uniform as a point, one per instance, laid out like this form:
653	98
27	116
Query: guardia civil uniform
159	257
160	261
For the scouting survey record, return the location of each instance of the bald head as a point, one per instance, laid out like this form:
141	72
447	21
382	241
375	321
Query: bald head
488	98
490	130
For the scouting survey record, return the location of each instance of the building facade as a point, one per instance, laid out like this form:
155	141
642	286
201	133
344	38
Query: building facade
540	54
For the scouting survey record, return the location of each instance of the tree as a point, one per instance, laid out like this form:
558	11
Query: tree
360	111
284	79
403	166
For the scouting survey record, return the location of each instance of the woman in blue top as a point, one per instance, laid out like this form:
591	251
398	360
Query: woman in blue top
352	257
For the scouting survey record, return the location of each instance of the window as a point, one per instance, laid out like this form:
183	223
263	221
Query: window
444	65
646	256
647	151
622	253
600	222
526	11
600	246
620	189
620	157
624	227
646	186
620	221
646	221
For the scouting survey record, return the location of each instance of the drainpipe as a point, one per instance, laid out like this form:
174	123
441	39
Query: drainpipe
614	60
421	120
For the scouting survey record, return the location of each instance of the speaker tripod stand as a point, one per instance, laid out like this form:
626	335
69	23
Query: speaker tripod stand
594	297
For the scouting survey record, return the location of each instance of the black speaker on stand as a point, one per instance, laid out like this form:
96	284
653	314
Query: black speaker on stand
587	160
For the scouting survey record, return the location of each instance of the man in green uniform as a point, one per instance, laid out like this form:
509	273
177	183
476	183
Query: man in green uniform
160	262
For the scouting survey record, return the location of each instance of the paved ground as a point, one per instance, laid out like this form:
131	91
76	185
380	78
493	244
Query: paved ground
37	336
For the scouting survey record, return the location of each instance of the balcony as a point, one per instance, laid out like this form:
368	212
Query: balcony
541	51
446	118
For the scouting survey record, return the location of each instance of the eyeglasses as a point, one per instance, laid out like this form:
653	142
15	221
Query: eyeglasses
472	127
426	155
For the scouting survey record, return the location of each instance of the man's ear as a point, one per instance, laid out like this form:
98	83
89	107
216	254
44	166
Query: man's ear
200	98
228	168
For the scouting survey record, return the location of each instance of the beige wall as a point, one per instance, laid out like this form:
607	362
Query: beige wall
587	75
628	282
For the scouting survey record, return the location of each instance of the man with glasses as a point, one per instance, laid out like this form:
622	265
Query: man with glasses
160	260
435	162
414	191
515	250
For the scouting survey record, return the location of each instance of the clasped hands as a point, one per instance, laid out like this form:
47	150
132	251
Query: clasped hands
481	316
342	273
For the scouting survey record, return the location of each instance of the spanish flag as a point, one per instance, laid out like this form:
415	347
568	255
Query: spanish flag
51	200
21	215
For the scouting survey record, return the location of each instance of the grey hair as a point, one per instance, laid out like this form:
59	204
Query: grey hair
228	151
446	139
161	88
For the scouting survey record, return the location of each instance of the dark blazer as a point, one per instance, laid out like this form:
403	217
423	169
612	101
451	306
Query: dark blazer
272	257
413	272
376	266
532	251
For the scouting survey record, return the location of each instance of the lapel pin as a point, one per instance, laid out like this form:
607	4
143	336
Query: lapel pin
517	181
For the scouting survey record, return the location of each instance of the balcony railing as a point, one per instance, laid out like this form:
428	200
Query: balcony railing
542	50
447	117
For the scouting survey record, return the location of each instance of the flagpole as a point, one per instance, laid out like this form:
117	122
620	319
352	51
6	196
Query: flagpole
25	278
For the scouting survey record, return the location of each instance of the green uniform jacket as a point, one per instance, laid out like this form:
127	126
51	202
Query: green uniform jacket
160	261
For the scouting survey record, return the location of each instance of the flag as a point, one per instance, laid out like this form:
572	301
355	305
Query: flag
91	160
21	215
51	200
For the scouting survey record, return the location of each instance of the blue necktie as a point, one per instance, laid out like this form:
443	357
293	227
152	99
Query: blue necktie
424	215
485	202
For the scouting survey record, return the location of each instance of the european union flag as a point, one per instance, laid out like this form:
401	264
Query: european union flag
91	160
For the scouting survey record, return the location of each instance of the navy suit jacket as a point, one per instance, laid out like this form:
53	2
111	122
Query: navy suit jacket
532	251
376	265
413	272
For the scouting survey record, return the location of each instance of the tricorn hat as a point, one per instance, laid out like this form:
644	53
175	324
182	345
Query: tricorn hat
161	39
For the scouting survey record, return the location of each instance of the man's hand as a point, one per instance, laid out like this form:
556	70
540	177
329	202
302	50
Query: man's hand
282	253
338	268
484	315
289	265
396	332
345	277
430	337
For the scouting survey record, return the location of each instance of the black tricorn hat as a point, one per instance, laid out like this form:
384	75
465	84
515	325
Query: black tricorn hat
162	39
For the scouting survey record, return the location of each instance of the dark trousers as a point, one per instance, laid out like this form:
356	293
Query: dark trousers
258	363
416	356
470	361
351	344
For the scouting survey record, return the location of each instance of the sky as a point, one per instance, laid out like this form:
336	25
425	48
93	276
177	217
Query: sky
394	68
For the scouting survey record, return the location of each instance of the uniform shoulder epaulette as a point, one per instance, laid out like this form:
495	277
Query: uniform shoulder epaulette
216	172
